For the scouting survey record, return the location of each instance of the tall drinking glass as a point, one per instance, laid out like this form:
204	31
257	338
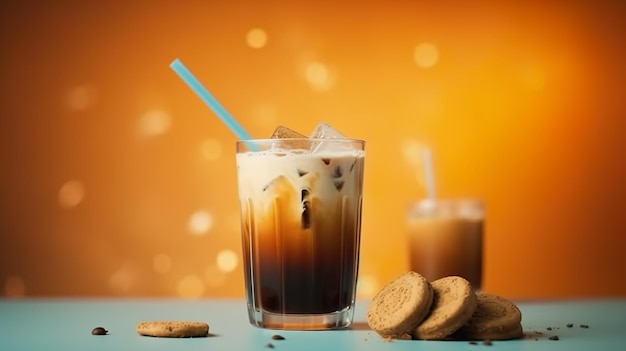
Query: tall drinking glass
301	224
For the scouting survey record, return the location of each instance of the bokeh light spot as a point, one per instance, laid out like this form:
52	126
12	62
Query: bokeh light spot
256	38
154	122
211	149
367	286
71	194
227	260
123	280
318	76
200	222
14	287
214	276
190	286
82	97
426	55
162	263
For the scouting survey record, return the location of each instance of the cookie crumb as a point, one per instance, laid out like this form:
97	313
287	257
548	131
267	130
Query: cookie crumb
585	326
269	346
569	325
554	337
473	343
487	342
278	337
549	328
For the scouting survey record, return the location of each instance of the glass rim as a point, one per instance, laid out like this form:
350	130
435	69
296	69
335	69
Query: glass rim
262	145
273	140
461	207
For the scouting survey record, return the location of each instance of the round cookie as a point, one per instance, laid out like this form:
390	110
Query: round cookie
173	329
454	304
495	318
400	306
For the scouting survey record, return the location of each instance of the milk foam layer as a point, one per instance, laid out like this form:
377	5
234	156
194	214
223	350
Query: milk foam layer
328	176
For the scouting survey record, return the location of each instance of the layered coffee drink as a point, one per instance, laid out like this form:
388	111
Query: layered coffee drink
301	207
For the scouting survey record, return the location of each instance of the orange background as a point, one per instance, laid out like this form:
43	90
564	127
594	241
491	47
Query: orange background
117	181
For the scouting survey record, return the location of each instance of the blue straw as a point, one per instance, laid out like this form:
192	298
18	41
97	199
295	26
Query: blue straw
208	99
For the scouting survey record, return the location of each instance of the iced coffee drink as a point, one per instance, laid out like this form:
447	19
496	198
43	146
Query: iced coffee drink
301	208
446	238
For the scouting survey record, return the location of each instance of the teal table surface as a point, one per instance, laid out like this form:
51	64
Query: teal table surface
66	324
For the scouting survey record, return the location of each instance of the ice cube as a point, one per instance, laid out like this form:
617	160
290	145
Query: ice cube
325	131
284	132
277	184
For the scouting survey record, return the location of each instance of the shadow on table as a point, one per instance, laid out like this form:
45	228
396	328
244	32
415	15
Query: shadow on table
359	326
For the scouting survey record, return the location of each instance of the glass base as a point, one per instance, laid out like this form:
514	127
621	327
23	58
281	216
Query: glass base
334	320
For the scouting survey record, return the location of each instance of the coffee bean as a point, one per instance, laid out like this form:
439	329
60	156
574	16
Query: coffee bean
554	337
269	346
99	331
487	342
569	325
278	337
584	326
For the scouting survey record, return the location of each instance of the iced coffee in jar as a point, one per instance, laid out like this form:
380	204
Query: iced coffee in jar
445	237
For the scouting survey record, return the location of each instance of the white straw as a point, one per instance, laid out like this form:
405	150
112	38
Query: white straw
429	174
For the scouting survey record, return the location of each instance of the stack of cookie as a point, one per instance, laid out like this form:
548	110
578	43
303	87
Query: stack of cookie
410	307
